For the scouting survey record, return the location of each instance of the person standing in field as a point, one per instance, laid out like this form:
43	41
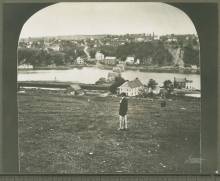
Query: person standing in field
123	109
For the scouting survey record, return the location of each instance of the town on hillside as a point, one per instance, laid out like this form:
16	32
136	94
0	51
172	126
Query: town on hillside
145	52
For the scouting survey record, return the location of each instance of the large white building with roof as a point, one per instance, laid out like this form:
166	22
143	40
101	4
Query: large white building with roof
130	60
99	56
110	60
131	88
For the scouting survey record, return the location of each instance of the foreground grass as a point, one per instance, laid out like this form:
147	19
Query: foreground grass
64	134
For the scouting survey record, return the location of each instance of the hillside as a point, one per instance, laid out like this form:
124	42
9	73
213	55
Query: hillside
177	54
65	51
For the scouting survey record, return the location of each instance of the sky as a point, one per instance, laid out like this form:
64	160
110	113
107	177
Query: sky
90	18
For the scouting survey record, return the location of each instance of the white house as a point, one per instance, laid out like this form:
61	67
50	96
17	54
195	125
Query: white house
52	46
189	84
110	60
182	83
137	62
75	89
129	60
99	56
131	88
172	40
119	68
79	61
55	47
156	37
140	39
25	66
194	67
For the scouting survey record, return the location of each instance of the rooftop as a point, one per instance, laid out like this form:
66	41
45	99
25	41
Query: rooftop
132	84
181	80
75	87
110	58
113	74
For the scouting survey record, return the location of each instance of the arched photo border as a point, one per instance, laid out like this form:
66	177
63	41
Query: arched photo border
205	19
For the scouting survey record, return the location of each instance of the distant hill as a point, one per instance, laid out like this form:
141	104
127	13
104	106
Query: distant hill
80	37
67	37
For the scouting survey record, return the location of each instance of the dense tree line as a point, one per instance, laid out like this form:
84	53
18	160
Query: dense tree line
191	56
39	57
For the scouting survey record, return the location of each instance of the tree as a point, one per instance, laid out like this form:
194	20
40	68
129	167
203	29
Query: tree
142	92
58	58
162	56
28	55
168	86
101	80
191	56
108	50
152	86
117	83
92	53
70	53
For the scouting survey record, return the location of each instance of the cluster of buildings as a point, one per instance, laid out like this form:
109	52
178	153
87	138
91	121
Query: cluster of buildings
134	87
40	43
96	42
108	60
25	66
179	38
112	60
102	40
182	83
116	40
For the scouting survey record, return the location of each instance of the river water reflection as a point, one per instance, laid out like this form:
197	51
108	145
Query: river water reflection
92	74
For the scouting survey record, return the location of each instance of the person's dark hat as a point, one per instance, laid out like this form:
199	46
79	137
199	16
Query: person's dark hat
123	94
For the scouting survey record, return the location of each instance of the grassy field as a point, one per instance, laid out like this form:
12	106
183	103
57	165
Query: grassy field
65	134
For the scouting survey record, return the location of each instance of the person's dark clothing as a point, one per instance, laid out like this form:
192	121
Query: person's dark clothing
123	107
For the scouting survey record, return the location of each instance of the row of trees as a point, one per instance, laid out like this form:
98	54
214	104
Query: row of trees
39	57
191	56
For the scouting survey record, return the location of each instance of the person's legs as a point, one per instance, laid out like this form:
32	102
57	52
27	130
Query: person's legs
125	122
121	122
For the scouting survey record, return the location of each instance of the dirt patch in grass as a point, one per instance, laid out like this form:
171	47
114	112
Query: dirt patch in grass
66	134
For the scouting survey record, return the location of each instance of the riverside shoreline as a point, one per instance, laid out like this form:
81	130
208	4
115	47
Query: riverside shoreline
135	68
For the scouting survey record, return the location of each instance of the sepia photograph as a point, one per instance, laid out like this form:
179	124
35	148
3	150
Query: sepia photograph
105	88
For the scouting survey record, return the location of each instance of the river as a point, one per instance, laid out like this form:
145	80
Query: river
91	74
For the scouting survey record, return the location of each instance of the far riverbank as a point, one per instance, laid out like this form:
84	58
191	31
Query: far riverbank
155	69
